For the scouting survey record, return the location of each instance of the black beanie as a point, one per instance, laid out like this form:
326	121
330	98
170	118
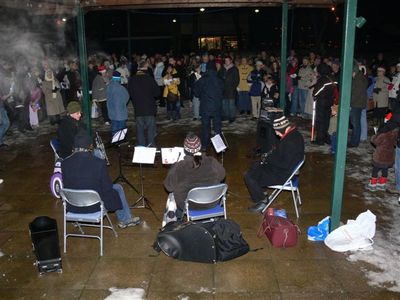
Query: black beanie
82	139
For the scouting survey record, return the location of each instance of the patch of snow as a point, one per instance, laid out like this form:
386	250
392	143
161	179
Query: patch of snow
183	297
126	294
1	254
206	290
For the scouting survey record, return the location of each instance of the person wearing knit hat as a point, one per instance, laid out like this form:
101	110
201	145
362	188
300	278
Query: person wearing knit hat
196	169
83	170
277	165
68	128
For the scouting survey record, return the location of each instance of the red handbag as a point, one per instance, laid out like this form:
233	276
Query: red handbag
281	232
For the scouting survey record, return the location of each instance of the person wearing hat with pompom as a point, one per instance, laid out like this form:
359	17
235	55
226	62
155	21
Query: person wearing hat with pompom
69	127
117	99
82	170
278	165
99	92
195	170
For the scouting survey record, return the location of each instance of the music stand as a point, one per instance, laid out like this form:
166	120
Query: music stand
143	155
220	145
118	139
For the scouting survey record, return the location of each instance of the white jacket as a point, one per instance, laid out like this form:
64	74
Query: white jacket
396	82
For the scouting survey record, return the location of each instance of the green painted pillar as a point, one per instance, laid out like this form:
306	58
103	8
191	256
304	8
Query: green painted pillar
84	68
282	86
349	28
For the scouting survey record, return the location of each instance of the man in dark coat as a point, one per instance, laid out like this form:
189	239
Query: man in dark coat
143	90
209	89
68	128
230	75
324	94
278	165
82	170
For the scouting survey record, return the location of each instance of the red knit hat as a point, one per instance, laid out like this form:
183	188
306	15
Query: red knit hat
192	143
101	68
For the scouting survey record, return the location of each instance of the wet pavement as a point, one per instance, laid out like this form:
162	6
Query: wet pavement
308	271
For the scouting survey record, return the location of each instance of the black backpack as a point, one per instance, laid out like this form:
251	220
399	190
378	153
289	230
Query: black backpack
210	242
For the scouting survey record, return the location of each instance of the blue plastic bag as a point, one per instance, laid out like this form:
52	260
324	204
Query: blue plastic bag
319	232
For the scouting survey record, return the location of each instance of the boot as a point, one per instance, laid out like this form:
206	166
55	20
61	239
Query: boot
381	184
372	185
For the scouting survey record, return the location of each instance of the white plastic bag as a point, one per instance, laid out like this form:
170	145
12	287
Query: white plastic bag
355	235
170	210
95	110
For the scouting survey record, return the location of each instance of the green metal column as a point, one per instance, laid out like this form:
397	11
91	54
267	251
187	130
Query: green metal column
84	68
349	27
282	89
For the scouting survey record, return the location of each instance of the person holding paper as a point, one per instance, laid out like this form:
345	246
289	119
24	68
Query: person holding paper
195	170
117	99
279	164
82	170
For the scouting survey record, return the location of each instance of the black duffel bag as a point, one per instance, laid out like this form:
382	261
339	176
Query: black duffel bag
202	242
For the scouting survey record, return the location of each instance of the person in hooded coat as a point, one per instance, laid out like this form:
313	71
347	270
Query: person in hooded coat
209	89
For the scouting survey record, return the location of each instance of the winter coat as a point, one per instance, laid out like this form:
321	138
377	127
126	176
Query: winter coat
287	154
66	133
244	72
305	77
255	79
158	73
99	89
381	92
230	76
359	96
117	99
270	92
324	91
394	87
123	70
209	89
83	170
143	90
182	177
52	96
385	143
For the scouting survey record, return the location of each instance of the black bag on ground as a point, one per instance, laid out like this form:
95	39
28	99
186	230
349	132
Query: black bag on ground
202	242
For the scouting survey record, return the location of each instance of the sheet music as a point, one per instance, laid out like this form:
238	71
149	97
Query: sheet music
119	136
144	155
170	156
218	143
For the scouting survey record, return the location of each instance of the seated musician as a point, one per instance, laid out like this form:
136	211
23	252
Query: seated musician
68	128
278	164
82	170
195	170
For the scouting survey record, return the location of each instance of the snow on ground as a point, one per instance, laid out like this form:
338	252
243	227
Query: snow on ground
126	294
1	254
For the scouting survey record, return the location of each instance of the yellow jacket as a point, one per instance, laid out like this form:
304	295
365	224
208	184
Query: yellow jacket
171	85
244	72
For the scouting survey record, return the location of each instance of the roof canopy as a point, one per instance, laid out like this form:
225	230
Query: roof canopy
44	7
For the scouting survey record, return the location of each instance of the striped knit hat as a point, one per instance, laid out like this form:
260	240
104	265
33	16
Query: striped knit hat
281	123
192	143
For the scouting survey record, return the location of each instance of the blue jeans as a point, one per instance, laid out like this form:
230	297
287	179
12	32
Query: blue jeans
244	101
143	123
333	142
298	101
196	107
124	214
355	119
117	125
364	125
4	124
229	109
206	127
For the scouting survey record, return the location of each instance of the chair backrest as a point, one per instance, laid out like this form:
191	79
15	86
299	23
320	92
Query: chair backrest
55	145
296	169
80	198
207	194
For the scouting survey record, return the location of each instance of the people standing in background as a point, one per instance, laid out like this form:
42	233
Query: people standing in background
381	96
158	71
304	77
255	78
117	99
124	71
53	99
394	88
230	75
99	92
244	104
143	91
74	82
193	78
270	90
171	93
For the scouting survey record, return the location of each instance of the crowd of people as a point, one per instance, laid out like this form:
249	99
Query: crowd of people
217	86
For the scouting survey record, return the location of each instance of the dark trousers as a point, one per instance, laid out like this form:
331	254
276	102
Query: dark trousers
355	119
375	172
322	117
257	179
206	128
22	117
172	110
104	111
